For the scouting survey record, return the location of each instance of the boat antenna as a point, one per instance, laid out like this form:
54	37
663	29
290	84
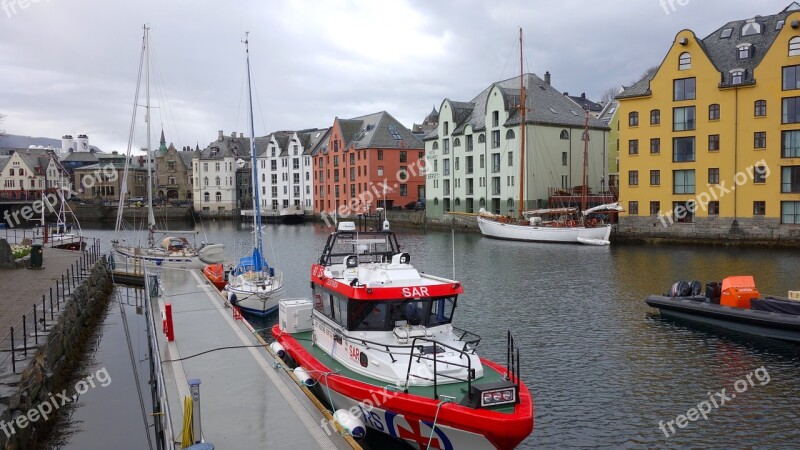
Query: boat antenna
257	258
522	130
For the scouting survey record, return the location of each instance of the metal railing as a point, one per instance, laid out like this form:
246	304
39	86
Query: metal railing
423	354
512	359
14	345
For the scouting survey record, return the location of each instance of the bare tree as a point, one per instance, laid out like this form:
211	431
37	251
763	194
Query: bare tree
608	95
649	73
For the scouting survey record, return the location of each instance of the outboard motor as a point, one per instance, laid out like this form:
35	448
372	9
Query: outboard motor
680	289
697	288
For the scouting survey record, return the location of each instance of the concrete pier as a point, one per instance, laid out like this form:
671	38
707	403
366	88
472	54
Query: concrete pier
246	402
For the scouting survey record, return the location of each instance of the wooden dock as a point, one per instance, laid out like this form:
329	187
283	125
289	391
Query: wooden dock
247	400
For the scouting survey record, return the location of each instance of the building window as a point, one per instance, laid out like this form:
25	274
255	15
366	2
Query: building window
403	156
495	162
713	175
684	89
713	208
456	142
446	166
655	178
790	211
655	208
481	138
655	146
760	139
683	149
218	197
633	177
469	164
744	51
794	46
469	143
482	161
737	76
759	208
760	174
380	155
683	181
495	118
495	138
563	158
435	146
684	211
685	61
207	197
713	142
564	134
790	144
713	111
205	181
218	182
633	119
633	147
760	108
446	146
510	134
655	117
510	159
790	179
403	190
633	208
683	118
446	128
495	185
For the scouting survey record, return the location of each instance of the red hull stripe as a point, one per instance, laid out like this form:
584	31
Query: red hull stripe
383	293
505	431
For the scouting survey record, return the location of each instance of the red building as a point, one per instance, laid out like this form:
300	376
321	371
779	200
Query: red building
363	156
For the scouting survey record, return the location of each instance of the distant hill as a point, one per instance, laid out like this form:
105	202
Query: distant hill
15	141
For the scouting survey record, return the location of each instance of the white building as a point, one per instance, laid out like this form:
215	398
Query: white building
214	173
285	172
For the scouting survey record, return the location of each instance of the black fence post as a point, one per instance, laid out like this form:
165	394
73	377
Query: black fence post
51	302
44	312
13	356
35	325
24	336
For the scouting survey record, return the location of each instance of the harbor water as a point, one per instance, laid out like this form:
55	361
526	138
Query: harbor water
605	370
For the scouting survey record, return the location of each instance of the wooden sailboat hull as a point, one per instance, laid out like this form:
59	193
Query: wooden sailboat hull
570	235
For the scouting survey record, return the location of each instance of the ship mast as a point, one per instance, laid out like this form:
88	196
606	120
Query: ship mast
151	221
522	130
257	258
585	152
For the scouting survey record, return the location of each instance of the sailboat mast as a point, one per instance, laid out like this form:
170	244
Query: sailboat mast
522	130
151	220
254	169
585	152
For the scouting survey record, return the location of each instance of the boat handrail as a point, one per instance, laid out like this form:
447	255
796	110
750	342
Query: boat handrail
474	340
423	355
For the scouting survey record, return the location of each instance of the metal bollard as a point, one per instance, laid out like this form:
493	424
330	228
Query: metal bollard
194	389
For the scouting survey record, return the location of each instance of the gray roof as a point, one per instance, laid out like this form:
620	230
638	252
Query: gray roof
238	147
378	130
321	143
311	139
16	141
545	105
80	157
4	161
585	103
186	157
723	51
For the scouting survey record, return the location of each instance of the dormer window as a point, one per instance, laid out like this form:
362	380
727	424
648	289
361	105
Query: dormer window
737	76
751	27
685	61
744	51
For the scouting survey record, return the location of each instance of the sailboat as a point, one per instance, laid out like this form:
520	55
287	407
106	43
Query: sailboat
560	225
62	234
169	252
252	284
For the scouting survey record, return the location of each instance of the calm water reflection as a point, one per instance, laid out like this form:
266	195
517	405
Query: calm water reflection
603	367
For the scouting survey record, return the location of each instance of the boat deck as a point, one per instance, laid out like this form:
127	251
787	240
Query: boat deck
245	401
456	390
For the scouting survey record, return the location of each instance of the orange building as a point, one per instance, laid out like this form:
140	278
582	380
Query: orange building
362	156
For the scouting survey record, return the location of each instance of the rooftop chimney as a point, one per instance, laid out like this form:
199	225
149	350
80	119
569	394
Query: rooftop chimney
233	134
583	95
220	135
547	77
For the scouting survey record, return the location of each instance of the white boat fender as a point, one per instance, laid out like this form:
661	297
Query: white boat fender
278	349
351	423
303	376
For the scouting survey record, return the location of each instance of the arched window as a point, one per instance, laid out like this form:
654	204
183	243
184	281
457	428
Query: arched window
481	138
794	46
206	197
761	108
436	145
218	181
633	119
482	202
436	201
456	142
685	61
510	134
564	134
218	196
510	203
205	182
458	201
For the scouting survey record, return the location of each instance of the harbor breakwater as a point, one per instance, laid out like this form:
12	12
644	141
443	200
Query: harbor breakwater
29	396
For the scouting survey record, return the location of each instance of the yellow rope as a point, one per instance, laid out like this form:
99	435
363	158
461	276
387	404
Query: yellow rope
187	432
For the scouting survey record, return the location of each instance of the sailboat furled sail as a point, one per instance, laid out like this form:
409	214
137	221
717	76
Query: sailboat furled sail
551	225
173	252
253	285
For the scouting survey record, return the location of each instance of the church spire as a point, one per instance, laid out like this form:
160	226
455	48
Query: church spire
163	147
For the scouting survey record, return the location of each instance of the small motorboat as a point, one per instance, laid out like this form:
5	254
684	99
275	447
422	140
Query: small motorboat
217	275
735	303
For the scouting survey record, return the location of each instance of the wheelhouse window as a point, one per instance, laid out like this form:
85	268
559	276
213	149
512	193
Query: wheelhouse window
385	315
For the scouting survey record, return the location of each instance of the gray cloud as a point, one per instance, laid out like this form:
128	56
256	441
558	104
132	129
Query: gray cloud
69	66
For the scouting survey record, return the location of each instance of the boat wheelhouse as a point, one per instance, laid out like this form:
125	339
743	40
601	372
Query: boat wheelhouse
378	328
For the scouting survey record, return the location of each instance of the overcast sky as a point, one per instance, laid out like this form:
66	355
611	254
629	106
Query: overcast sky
69	66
